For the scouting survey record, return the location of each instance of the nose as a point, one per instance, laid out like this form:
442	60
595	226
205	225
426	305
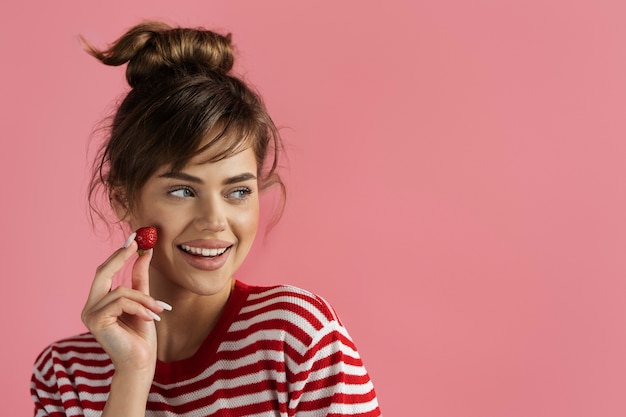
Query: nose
210	217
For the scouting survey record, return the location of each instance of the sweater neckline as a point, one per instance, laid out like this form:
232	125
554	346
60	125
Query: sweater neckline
171	372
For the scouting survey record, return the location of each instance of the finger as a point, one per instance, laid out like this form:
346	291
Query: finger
103	280
140	276
110	313
126	293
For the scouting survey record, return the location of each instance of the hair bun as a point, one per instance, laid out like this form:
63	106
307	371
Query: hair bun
152	48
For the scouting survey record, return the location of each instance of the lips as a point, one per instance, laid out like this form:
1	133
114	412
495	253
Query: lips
205	254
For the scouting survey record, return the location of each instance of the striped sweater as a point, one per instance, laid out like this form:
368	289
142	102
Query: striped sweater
275	351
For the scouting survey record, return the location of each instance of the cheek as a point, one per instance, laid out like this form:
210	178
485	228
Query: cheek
169	224
150	212
246	223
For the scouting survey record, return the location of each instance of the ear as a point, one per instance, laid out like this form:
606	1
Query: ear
119	203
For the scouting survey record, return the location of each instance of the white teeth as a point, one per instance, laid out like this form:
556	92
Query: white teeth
209	252
203	251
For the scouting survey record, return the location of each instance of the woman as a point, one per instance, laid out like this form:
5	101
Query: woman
190	148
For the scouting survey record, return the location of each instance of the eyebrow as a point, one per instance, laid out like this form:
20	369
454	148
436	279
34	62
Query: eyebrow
239	178
190	178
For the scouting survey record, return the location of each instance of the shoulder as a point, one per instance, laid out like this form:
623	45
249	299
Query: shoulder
65	370
70	352
289	301
301	319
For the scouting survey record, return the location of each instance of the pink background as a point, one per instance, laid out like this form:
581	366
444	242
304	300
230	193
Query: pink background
456	186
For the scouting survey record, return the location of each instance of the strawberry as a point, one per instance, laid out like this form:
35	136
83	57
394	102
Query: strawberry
146	237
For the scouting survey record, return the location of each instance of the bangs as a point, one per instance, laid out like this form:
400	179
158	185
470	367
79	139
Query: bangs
213	122
228	138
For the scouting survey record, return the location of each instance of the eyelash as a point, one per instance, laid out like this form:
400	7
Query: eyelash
245	190
181	188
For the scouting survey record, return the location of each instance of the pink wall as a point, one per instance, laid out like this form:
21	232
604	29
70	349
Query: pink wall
456	186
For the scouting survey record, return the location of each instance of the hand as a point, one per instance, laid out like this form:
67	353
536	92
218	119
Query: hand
122	320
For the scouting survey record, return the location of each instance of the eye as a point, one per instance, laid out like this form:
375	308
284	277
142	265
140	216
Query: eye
240	193
181	192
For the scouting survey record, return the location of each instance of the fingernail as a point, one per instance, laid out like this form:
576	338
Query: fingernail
130	240
165	305
153	315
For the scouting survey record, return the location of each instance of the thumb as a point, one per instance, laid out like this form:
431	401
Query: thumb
140	277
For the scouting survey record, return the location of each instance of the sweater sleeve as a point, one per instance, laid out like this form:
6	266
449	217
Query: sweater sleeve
44	388
332	380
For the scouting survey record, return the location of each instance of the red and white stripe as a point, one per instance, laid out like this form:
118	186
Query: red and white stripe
277	351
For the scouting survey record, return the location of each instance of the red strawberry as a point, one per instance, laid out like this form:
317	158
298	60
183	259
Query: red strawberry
146	237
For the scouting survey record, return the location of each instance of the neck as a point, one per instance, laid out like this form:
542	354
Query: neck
182	330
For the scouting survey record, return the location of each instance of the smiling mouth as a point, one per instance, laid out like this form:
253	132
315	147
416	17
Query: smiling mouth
204	252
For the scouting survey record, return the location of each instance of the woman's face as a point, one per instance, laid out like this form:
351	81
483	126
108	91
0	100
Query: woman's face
207	216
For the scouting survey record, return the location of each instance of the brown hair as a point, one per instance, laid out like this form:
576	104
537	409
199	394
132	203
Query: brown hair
182	93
